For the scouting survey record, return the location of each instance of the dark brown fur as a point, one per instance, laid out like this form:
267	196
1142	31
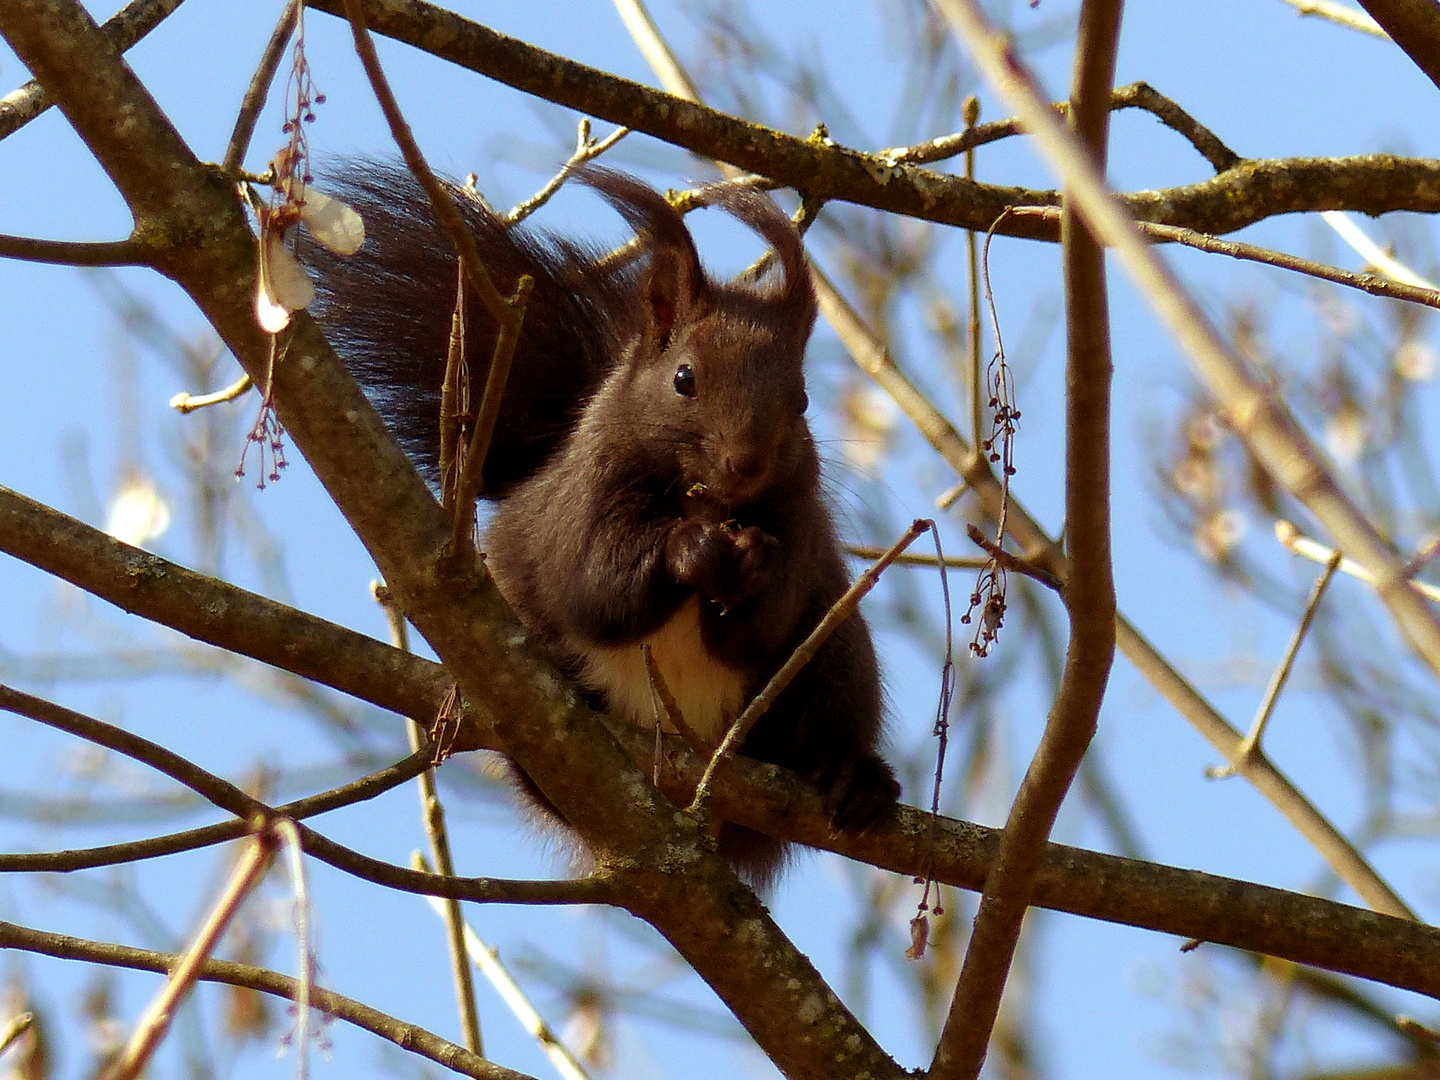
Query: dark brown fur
652	503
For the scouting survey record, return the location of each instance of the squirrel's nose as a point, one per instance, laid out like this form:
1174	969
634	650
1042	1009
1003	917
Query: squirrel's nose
743	475
742	465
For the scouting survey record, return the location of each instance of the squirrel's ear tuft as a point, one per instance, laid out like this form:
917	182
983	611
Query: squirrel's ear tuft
674	282
755	208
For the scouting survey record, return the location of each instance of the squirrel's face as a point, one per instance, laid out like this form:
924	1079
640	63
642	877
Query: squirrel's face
711	395
725	399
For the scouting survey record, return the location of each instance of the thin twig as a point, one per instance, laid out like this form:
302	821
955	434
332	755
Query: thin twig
150	1029
409	1036
1137	95
1339	14
1006	561
73	253
1345	226
152	847
1302	545
455	415
16	1027
913	558
1392	287
126	27
490	966
454	919
871	356
289	835
228	797
668	707
472	471
586	149
259	88
1251	743
951	495
972	265
186	402
841	610
655	49
507	313
432	812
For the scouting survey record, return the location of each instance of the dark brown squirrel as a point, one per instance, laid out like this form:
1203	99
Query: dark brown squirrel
654	476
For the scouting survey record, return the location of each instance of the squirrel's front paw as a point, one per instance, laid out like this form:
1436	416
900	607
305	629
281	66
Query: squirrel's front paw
724	564
750	563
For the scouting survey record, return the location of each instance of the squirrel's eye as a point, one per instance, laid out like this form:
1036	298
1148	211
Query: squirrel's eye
804	402
685	381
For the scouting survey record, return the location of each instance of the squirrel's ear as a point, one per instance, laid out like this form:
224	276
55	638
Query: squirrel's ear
673	278
674	282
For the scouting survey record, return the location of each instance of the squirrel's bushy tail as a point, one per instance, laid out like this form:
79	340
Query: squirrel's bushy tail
387	311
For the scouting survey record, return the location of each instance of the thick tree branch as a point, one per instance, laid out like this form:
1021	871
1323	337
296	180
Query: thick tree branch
758	796
1249	192
221	614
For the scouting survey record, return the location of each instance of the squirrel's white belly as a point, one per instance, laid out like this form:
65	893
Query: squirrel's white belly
710	694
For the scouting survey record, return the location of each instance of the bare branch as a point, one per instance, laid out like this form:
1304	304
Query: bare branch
150	1029
1340	14
1089	591
1373	184
70	253
432	813
1374	284
259	88
508	312
127	26
841	610
402	1034
509	990
230	798
1251	742
367	787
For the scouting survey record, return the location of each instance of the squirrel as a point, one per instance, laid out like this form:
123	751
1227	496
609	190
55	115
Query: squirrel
654	478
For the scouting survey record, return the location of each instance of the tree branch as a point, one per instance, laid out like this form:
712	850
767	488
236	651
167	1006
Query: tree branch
126	27
224	615
1240	196
69	253
402	1034
1252	409
1372	283
367	787
1089	591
